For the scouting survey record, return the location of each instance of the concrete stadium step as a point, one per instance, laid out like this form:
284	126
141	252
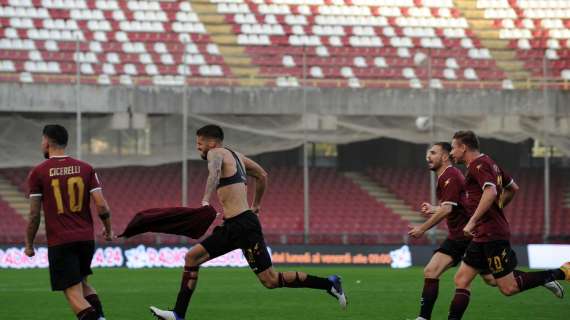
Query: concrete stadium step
221	33
383	195
390	200
490	38
17	200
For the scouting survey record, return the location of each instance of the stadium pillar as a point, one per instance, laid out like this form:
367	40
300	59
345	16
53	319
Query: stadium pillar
184	148
306	206
77	98
546	233
432	175
184	175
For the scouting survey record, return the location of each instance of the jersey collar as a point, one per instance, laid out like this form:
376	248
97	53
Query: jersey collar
449	166
479	156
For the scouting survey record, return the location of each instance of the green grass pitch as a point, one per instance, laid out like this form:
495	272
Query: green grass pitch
226	293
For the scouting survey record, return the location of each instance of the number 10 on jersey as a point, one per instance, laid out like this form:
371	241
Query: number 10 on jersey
75	192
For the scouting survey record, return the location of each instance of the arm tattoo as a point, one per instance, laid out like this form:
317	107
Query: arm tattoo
215	171
35	219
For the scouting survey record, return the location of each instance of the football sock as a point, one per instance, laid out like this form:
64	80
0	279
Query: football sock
294	280
529	280
459	304
187	286
94	301
88	314
429	296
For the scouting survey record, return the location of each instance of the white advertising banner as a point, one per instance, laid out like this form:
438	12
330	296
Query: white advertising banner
173	257
548	256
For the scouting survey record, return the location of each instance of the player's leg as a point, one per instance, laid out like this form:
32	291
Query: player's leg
473	264
259	260
502	261
463	279
67	270
215	245
489	279
192	261
519	281
86	251
82	309
91	296
253	246
271	279
437	265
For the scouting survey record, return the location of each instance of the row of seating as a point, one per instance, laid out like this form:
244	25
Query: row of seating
341	212
525	213
540	27
38	40
128	38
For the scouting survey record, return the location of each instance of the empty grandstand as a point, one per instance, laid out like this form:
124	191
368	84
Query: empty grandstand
133	79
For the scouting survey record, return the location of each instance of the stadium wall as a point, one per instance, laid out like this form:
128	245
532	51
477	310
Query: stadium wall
15	97
376	153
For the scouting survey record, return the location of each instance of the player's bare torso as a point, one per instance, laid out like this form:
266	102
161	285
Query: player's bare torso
233	198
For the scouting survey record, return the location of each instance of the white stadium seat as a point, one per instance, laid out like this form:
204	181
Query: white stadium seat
109	69
316	72
166	58
408	73
103	79
288	61
449	74
380	62
125	80
470	74
346	72
354	83
360	62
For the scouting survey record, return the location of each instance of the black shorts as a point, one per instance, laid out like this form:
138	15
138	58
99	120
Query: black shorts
240	232
496	257
70	263
454	248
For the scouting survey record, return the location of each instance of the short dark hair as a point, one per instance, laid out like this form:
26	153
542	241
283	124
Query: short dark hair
211	131
56	134
468	138
445	146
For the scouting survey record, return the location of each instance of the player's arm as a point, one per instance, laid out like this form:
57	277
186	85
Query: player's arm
104	213
437	213
508	194
33	224
215	161
487	199
253	169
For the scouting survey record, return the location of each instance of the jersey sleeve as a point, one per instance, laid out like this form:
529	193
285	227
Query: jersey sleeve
451	191
94	182
507	179
34	184
484	174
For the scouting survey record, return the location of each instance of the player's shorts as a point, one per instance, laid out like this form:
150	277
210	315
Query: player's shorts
70	263
240	232
454	248
495	257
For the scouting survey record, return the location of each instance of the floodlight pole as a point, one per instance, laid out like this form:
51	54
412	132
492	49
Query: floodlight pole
184	133
433	178
77	98
546	231
306	204
432	175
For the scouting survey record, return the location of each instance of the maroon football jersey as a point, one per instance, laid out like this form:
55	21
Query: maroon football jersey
65	185
482	172
451	190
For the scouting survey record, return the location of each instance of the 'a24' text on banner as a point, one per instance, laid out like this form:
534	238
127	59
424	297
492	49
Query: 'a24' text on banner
171	257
